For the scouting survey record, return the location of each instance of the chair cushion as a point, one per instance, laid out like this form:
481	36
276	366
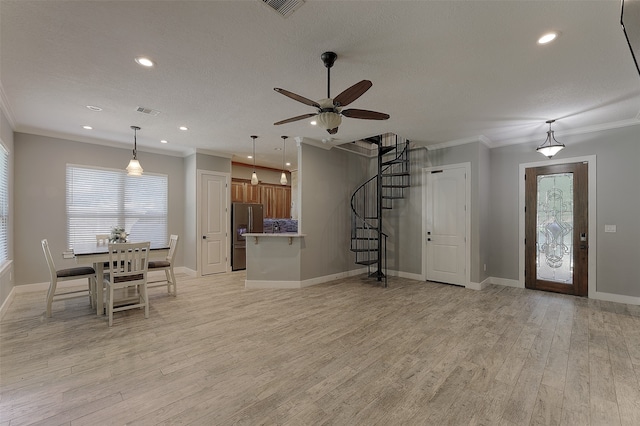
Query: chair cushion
74	272
128	278
159	264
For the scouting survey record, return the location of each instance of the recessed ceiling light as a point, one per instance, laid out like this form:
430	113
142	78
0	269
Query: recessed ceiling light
183	128
87	127
94	108
249	156
287	164
313	122
164	141
145	62
277	149
548	38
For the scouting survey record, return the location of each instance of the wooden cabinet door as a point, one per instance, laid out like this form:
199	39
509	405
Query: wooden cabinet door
237	192
282	202
252	193
267	195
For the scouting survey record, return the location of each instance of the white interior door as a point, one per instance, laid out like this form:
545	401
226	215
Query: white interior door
214	221
445	227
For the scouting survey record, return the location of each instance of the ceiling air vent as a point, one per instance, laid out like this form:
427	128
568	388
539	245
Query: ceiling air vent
284	7
148	111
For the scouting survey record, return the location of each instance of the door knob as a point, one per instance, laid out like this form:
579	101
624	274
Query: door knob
204	237
428	239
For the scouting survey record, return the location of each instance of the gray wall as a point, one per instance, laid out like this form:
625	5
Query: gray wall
327	180
618	203
6	136
190	213
40	186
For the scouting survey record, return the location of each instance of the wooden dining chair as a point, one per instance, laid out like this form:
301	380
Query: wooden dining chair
128	266
167	265
75	273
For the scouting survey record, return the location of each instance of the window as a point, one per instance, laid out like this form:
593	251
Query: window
99	199
4	204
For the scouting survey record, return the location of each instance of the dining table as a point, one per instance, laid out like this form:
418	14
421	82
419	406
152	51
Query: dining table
98	255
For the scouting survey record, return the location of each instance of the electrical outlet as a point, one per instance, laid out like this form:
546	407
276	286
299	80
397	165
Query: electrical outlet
610	228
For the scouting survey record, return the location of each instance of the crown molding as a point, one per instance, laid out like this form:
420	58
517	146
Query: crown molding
212	152
578	131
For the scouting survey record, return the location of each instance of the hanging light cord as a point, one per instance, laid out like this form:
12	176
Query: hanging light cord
135	141
254	153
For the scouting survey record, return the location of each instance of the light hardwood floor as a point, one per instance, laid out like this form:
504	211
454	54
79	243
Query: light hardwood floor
341	353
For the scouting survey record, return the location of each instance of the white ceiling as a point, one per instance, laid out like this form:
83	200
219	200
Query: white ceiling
446	71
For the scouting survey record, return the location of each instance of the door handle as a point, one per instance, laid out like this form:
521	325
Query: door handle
204	237
428	239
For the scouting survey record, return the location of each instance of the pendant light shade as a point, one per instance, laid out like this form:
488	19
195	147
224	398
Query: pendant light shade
134	168
283	177
254	176
551	146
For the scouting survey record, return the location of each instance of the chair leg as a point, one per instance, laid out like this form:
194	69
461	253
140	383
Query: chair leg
92	292
145	296
173	281
168	277
50	293
110	305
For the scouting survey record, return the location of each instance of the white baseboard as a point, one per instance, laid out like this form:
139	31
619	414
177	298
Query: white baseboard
618	298
479	286
504	281
185	270
303	283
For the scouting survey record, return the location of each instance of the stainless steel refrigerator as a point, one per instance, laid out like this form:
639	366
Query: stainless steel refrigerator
245	218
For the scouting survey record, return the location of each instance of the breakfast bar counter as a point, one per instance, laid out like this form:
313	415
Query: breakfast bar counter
273	260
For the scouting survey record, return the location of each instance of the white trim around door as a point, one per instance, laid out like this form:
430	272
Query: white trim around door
426	172
226	212
591	161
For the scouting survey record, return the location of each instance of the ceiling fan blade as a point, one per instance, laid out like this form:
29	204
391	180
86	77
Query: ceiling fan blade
289	120
297	97
332	131
364	114
352	93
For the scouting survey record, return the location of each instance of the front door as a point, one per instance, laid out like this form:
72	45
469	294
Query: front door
446	251
556	225
213	223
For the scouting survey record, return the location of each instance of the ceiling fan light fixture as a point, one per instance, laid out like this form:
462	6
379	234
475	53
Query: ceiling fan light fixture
329	120
134	168
550	146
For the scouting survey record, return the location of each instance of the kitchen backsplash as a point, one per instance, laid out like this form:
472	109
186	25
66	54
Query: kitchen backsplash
285	225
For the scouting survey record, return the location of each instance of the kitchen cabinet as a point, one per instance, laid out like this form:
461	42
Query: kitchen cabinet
276	199
244	192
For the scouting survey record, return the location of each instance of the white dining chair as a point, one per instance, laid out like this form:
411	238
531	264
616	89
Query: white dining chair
56	275
167	265
128	266
102	239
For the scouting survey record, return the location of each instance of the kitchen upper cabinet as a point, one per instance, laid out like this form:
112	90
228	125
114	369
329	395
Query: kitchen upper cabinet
237	192
244	192
276	199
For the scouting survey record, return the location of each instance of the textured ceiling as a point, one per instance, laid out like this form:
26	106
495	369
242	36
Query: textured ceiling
446	72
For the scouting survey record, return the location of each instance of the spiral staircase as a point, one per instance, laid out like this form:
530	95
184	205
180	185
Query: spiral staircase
372	198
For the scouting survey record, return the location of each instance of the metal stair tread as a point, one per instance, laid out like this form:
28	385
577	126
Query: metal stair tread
367	262
395	174
396	186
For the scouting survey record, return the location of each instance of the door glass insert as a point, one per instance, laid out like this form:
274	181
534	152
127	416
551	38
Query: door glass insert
554	224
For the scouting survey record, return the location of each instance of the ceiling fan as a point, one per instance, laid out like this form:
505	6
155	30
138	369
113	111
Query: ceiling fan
329	111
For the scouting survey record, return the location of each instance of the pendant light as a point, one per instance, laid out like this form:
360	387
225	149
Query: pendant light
283	177
134	168
551	146
254	176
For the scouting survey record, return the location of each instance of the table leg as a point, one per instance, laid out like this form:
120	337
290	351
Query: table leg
99	267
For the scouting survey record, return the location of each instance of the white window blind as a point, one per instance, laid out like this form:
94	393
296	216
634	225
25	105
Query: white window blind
4	204
99	199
